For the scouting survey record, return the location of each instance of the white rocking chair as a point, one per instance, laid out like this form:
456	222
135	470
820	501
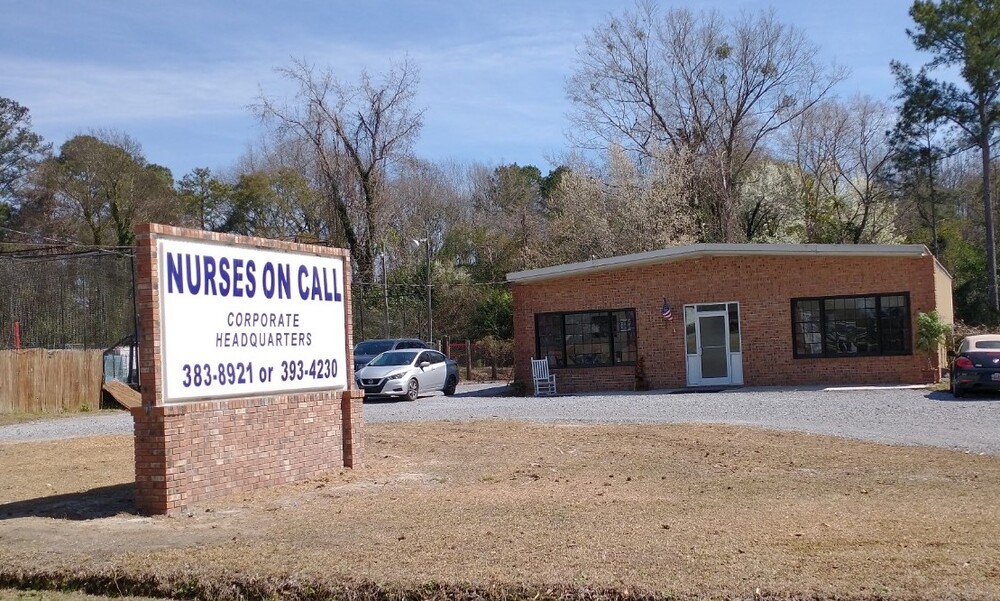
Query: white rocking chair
545	383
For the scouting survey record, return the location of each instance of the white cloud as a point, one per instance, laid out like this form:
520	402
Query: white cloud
69	92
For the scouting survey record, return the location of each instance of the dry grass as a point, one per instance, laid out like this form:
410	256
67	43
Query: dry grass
689	509
486	374
8	419
17	595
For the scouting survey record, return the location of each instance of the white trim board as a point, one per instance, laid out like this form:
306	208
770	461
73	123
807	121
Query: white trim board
693	251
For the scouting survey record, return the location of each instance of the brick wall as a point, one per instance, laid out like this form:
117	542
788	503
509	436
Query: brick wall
351	410
764	287
594	379
190	452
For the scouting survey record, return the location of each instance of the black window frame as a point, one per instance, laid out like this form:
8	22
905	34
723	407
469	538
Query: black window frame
608	314
881	333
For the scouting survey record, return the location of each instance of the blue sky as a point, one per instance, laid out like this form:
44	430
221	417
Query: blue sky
178	75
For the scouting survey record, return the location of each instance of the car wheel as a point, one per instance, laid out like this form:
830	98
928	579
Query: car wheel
450	385
956	390
412	390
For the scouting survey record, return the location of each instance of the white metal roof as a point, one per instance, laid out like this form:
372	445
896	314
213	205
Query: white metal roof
976	339
693	251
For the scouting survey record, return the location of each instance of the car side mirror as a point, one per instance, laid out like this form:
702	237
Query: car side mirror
424	364
951	354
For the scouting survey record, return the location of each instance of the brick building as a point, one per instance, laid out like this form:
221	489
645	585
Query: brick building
731	314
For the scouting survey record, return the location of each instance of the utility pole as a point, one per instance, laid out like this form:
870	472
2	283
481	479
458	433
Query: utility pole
385	293
430	315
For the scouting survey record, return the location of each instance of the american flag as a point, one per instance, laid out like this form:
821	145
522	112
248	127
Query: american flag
666	312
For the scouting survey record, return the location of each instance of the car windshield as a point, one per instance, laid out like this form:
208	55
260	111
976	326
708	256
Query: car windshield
988	344
373	347
394	358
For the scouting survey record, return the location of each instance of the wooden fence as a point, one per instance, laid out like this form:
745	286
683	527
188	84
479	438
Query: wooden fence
44	381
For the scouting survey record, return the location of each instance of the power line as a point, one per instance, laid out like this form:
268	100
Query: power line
38	236
57	243
56	252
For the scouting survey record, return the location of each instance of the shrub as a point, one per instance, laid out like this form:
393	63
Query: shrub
931	333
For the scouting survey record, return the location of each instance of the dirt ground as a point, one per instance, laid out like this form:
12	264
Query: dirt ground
699	510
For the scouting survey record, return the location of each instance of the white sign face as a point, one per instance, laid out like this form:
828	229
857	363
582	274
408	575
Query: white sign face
240	321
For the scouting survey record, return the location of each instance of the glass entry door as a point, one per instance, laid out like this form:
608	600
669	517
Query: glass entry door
712	339
714	353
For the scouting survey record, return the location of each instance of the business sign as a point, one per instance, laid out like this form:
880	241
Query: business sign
243	321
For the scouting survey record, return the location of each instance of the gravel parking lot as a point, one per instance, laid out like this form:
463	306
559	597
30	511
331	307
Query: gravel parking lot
895	416
888	415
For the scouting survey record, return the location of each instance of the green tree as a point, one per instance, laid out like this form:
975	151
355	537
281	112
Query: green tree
203	198
20	148
5	219
20	151
931	334
506	225
494	316
960	34
98	189
919	151
277	203
550	183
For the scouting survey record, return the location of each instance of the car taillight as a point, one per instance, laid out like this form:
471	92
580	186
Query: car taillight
963	363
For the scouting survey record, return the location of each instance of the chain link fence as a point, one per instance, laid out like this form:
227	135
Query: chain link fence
401	311
54	299
390	312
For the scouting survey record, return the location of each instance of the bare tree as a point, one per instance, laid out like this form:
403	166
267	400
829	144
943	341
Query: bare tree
698	84
867	170
425	209
841	160
771	204
422	204
354	133
620	207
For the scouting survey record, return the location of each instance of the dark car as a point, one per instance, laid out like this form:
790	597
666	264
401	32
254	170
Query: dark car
407	373
367	350
976	364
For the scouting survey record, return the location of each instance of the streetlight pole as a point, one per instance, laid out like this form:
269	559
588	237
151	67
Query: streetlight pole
430	315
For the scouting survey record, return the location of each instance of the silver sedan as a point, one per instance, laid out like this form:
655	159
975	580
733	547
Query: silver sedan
408	373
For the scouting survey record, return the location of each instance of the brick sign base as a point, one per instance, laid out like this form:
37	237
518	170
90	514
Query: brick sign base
191	452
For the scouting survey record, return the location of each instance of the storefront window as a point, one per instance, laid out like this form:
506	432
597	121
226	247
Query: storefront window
587	339
844	326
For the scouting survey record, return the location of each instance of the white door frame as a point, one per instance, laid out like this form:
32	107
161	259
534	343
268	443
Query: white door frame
734	365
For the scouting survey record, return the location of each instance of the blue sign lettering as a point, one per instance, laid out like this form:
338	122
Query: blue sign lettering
194	274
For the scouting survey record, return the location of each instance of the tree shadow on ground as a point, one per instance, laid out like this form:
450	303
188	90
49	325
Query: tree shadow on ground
972	395
500	389
381	400
96	503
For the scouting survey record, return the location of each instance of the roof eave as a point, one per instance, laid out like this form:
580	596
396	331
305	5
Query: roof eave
700	250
